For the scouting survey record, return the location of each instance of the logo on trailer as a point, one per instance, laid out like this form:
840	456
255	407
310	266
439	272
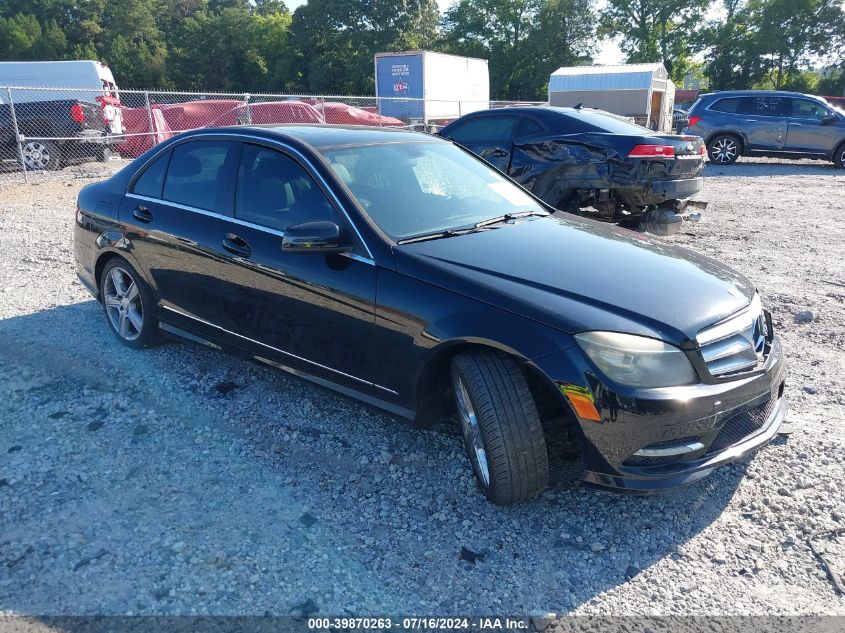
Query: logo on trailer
400	88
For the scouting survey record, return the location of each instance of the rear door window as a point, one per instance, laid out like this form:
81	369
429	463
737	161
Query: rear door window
150	182
764	106
527	126
488	129
198	174
275	191
730	106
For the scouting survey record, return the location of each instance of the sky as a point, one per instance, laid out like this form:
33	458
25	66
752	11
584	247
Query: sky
608	52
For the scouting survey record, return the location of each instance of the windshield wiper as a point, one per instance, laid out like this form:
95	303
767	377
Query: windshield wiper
435	235
507	217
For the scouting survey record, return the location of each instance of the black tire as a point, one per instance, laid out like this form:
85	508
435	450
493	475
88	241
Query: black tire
839	156
724	149
507	426
39	155
122	306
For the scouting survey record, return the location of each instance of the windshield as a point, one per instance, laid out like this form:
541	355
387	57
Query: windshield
416	188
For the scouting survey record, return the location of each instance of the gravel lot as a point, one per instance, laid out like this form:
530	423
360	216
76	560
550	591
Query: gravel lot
179	480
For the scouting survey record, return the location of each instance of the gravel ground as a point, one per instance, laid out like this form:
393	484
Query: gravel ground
179	480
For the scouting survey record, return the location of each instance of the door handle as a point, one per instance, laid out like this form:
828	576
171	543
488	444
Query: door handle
142	214
237	245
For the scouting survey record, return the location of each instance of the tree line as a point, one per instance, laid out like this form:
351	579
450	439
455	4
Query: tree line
327	46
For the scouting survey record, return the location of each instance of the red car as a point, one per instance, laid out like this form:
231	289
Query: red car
203	113
139	137
277	112
351	115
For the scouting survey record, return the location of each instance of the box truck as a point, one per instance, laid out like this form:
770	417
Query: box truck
421	87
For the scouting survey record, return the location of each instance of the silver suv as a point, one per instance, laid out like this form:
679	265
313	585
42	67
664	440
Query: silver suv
768	123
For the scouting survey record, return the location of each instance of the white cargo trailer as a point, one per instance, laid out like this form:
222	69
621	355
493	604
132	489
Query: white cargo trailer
642	92
423	86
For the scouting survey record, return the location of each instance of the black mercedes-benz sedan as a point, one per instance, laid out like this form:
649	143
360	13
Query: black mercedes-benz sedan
588	160
401	270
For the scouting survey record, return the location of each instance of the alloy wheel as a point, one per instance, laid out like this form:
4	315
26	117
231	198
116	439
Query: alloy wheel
36	155
471	430
123	304
724	150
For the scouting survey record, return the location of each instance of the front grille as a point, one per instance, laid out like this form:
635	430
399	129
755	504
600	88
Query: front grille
736	344
742	425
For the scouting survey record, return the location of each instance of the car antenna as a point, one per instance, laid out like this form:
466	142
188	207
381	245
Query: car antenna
579	106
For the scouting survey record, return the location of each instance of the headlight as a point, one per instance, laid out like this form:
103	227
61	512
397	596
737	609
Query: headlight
637	361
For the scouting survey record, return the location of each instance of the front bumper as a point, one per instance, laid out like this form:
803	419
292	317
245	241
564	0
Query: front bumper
647	480
725	421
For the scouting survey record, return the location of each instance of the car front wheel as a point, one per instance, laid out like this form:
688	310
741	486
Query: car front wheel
128	304
723	149
501	426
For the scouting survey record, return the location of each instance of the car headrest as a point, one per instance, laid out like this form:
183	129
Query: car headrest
186	166
276	167
342	172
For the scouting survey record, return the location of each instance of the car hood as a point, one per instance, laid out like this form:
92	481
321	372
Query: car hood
577	274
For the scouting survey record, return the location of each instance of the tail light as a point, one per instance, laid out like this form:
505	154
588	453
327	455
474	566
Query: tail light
702	150
652	151
77	113
693	120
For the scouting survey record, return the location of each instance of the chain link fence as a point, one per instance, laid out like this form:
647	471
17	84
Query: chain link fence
46	131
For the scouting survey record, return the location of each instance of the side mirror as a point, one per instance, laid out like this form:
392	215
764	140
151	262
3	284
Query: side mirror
829	118
320	236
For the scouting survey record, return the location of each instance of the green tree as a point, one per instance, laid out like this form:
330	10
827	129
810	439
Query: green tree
234	49
18	36
524	40
333	41
789	34
656	30
132	43
728	43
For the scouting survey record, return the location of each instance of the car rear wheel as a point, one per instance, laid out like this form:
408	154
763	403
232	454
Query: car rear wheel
839	156
723	149
128	304
501	426
41	155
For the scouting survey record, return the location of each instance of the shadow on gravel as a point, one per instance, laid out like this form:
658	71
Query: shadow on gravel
138	485
750	167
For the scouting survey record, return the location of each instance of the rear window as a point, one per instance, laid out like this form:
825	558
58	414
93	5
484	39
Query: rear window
599	121
727	105
197	174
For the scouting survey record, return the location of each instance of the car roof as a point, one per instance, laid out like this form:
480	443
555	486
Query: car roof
542	111
322	136
757	93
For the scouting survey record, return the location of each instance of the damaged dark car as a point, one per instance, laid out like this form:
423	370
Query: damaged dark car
586	160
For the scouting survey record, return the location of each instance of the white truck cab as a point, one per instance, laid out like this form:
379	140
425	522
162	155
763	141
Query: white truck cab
86	80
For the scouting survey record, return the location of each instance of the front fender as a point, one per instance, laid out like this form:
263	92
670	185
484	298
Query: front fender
420	325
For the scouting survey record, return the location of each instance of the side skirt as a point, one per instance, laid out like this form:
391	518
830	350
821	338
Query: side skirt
184	335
